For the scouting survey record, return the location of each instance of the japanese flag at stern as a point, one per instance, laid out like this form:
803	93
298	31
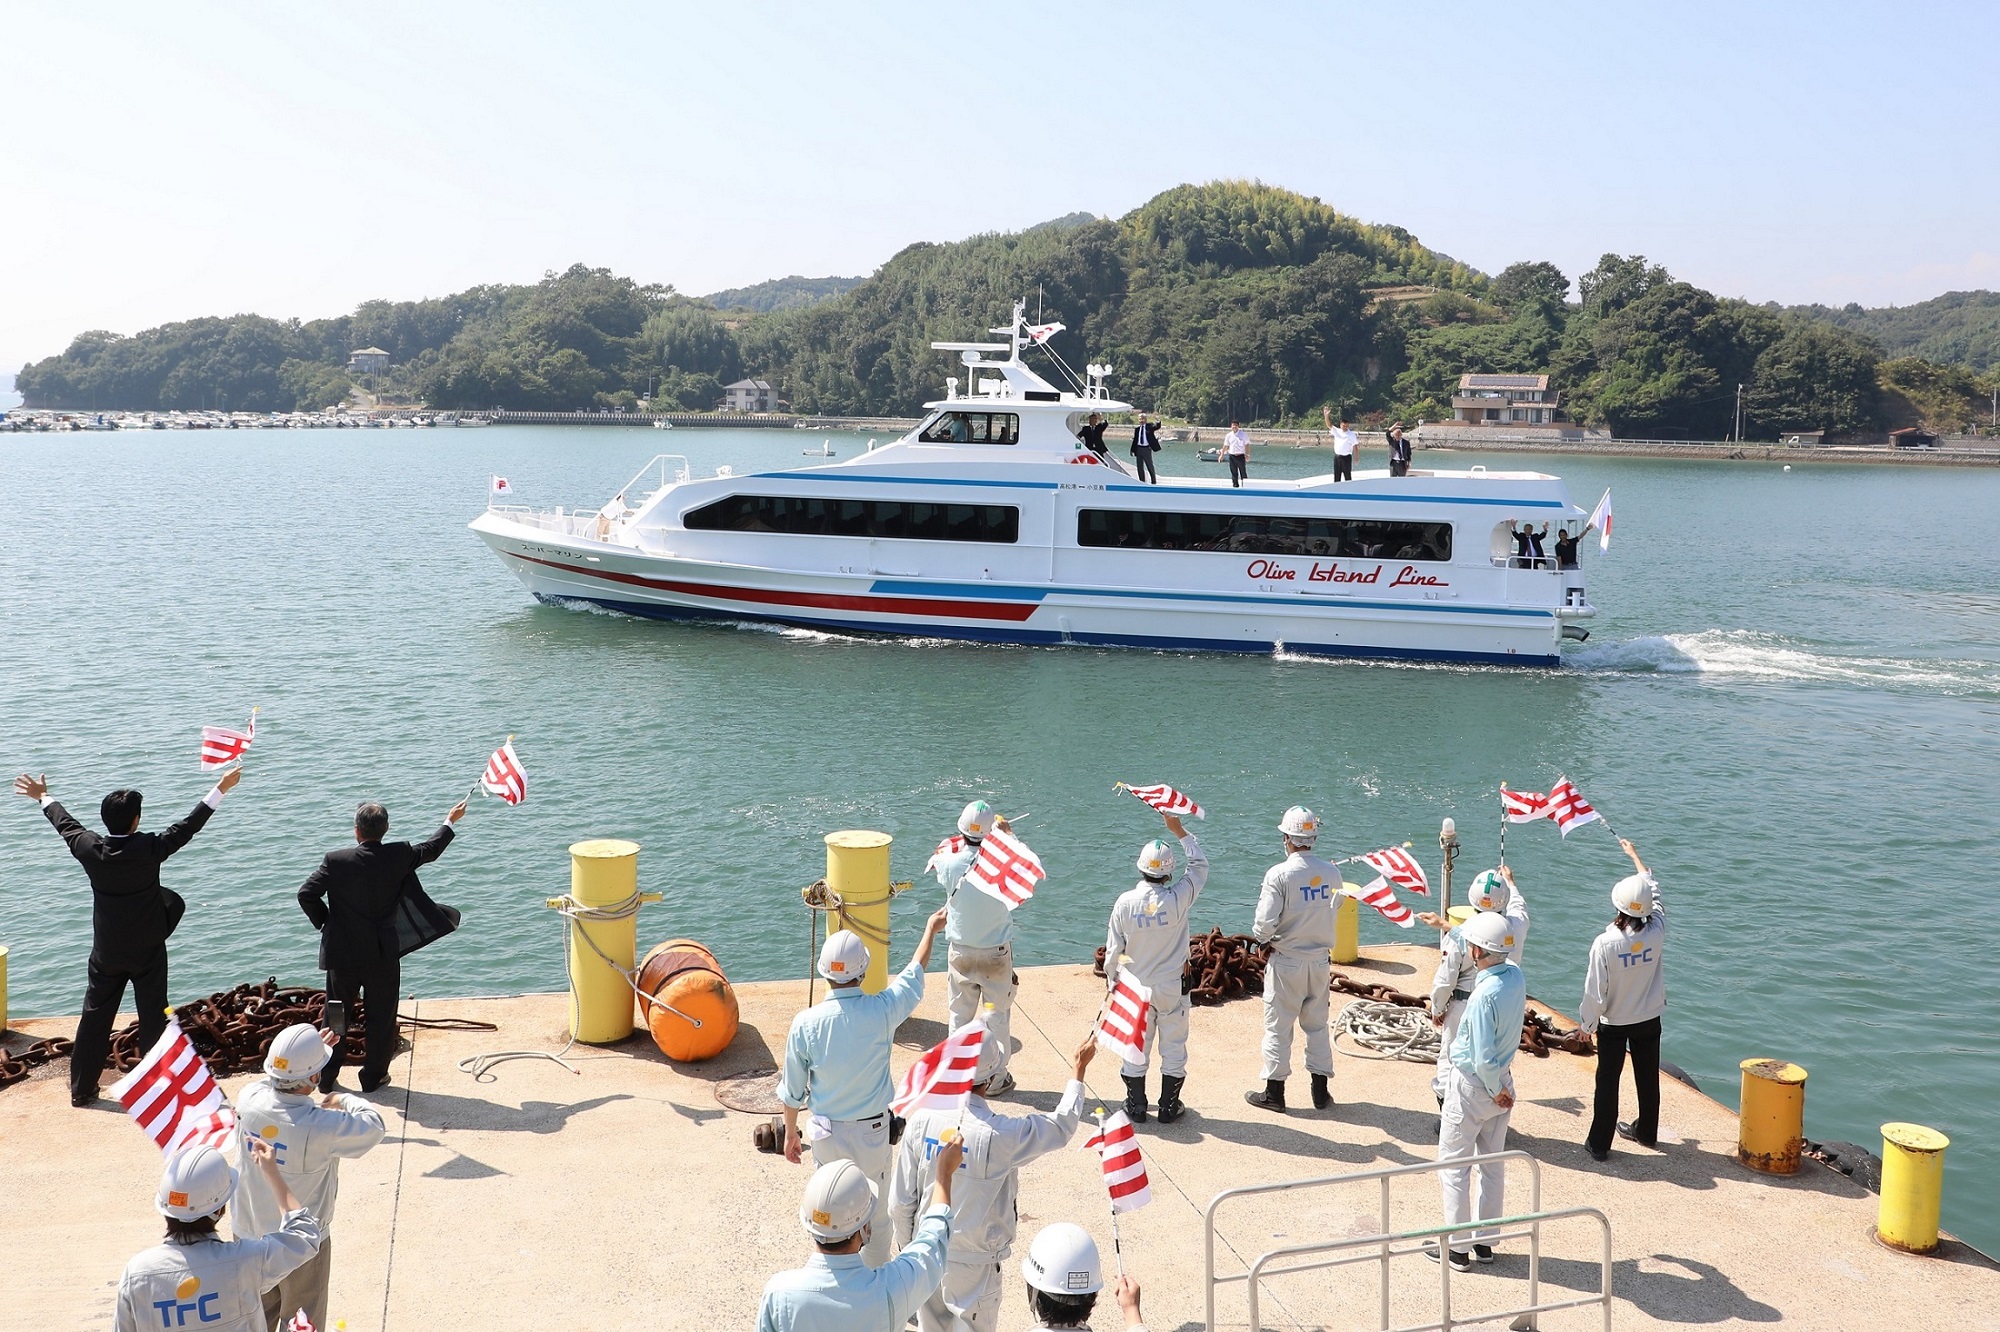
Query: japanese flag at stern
173	1097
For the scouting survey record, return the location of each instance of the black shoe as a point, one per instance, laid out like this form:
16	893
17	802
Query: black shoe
1322	1098
1482	1253
1272	1098
84	1100
1460	1262
1135	1098
1598	1153
1625	1132
1170	1099
369	1084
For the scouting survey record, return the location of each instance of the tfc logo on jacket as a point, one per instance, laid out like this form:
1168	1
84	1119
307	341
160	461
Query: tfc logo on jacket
1149	930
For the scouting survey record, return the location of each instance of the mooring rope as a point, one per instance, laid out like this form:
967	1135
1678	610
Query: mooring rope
1390	1030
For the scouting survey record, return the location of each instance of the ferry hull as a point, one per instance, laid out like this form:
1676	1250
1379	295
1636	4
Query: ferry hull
560	570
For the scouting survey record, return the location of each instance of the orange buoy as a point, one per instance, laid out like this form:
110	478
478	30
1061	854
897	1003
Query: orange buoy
682	973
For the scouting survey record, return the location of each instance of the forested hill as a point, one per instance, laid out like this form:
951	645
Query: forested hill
1957	328
785	293
1224	300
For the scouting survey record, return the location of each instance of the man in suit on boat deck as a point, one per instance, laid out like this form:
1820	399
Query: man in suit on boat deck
1146	443
131	916
354	899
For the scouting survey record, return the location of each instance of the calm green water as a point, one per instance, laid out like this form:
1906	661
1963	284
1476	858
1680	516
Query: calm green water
1791	703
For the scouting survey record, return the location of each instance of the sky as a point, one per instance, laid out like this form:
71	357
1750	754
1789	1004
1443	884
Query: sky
159	162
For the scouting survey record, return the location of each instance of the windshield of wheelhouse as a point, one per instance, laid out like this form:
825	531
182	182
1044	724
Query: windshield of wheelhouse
1264	534
963	427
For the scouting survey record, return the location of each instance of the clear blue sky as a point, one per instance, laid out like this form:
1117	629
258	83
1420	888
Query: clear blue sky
165	161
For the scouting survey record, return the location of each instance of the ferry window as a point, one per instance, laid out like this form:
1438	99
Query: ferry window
894	519
973	428
1265	534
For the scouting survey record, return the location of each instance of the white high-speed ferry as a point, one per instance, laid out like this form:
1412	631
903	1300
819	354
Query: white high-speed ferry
992	522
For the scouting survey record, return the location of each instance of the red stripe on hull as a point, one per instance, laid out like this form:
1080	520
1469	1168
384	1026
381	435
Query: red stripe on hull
961	610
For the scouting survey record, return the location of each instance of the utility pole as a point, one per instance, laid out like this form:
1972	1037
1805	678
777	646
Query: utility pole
1739	414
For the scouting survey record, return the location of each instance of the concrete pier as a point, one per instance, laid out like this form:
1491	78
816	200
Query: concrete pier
470	1213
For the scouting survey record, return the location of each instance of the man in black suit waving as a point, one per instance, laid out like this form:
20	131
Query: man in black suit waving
131	916
369	909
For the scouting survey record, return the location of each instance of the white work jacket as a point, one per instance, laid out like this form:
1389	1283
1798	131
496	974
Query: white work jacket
1295	908
308	1141
1149	925
216	1285
983	1196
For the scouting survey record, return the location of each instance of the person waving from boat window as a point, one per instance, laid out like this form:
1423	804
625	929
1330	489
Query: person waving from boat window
1148	934
1527	543
1092	435
837	1062
1624	994
1146	443
979	941
1236	448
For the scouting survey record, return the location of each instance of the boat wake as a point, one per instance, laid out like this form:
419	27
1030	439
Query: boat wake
1745	654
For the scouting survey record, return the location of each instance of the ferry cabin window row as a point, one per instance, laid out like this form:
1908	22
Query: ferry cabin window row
973	428
1263	534
895	519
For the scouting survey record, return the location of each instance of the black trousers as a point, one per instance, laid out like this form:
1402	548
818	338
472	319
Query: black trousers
1239	468
377	991
1147	472
102	994
1399	467
1643	1040
1343	467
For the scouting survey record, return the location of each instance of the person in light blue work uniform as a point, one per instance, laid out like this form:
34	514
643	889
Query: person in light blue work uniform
1480	1097
979	941
1149	935
1451	985
838	1290
837	1062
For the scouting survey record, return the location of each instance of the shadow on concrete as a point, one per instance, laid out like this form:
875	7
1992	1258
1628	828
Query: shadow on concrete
463	1167
1681	1163
437	1110
748	1052
1403	1125
1275	1136
1568	1105
1373	969
922	1033
1696	1292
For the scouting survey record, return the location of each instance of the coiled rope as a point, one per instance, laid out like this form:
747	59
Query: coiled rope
1389	1030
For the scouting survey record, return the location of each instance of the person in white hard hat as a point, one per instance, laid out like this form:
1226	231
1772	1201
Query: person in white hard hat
195	1278
837	1062
1480	1097
1149	934
1295	919
1624	994
984	1214
1451	985
1063	1275
308	1136
979	942
838	1290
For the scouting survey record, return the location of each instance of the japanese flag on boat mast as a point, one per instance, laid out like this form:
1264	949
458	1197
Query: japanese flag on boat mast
1117	1149
942	1079
1040	333
173	1097
220	746
504	777
1006	869
1600	518
1165	799
1128	1011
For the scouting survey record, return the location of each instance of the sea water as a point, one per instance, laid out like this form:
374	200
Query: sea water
1791	702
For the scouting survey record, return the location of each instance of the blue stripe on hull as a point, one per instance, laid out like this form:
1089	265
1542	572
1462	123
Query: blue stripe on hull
1045	638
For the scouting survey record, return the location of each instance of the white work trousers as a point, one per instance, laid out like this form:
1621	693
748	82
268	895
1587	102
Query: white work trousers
1295	994
967	1300
1441	1080
1473	1126
981	976
866	1143
1168	1029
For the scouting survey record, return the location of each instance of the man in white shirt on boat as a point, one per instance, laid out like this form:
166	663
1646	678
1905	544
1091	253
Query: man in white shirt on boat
1236	452
1345	442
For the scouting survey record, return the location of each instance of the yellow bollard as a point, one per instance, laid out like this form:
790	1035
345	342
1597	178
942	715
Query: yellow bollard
1912	1187
603	873
857	868
3	987
1770	1128
1347	927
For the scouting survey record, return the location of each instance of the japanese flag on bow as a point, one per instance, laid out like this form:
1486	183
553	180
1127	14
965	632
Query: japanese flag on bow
1399	867
942	1079
173	1098
1523	806
1166	799
501	487
1128	1011
504	777
1005	868
1382	897
1600	518
1568	807
1117	1148
946	849
220	746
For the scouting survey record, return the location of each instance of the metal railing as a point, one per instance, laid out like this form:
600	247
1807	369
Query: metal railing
1388	1244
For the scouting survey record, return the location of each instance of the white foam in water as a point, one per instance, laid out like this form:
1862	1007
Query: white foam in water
1745	654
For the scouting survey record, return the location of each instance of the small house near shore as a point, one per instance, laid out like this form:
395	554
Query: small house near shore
1511	402
749	395
368	361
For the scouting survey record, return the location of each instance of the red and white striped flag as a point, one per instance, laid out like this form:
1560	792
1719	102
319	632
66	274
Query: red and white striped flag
1166	799
1523	806
942	1079
1117	1147
504	776
172	1096
1382	897
946	849
1127	1014
1399	867
1568	807
1005	868
220	745
301	1322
